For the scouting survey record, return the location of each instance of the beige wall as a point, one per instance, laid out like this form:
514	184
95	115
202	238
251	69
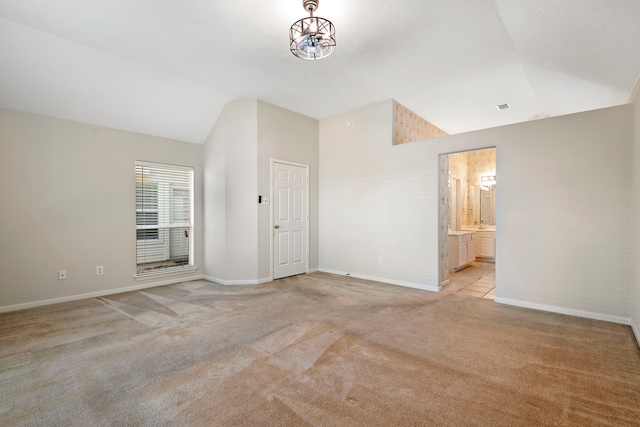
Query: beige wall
238	153
635	314
231	215
215	218
68	203
285	135
563	207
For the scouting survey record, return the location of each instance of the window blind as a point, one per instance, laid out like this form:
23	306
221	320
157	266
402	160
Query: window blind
164	217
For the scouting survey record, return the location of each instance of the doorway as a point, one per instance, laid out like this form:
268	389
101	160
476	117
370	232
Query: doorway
467	222
290	218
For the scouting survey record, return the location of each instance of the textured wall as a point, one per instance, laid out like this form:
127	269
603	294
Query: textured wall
564	201
377	200
563	213
410	127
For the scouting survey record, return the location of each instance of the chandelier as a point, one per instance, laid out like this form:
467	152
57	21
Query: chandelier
313	37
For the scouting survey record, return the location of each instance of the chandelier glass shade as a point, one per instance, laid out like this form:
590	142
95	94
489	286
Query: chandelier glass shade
313	37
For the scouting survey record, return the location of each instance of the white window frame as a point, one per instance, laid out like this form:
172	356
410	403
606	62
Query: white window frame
153	256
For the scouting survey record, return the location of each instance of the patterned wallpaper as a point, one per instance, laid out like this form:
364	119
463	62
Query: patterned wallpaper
480	162
410	127
443	219
469	166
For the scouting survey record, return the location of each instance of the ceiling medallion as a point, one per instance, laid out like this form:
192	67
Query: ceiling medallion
313	37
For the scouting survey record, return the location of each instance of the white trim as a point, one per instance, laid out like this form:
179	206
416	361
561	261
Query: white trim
307	197
636	332
444	283
164	165
563	310
313	270
245	282
383	280
170	271
78	297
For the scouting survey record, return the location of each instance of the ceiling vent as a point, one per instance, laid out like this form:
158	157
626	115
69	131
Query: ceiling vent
503	107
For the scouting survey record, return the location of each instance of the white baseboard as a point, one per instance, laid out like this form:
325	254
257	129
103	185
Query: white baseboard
636	332
33	304
444	283
237	282
563	310
383	280
247	281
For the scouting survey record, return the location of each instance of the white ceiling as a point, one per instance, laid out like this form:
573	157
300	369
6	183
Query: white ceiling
167	67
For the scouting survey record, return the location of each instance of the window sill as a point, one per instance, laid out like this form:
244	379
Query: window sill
164	273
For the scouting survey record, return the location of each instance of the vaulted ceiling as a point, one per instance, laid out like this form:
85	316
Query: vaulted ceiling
167	67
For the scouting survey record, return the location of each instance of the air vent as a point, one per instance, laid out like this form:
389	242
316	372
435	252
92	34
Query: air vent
503	107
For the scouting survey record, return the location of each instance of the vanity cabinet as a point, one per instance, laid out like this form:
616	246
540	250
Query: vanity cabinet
487	244
462	250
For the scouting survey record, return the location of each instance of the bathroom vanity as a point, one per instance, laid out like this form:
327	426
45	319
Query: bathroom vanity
462	249
487	245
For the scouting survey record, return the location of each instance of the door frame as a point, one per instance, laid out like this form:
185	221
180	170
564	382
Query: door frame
272	161
443	246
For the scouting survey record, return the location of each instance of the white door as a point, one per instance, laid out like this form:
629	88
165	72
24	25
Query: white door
290	220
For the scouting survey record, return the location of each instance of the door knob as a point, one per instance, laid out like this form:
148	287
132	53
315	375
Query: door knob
276	226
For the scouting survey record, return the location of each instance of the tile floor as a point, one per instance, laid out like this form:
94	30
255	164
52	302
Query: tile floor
478	280
485	287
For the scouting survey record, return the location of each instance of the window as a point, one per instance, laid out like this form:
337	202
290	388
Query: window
164	218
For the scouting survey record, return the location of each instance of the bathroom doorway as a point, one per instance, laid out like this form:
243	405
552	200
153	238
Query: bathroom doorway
467	216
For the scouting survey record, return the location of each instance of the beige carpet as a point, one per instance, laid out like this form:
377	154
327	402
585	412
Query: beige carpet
313	350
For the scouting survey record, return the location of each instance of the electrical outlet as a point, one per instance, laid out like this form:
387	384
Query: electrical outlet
62	275
99	270
380	260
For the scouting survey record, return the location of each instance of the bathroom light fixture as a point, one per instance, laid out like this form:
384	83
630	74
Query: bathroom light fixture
313	37
488	179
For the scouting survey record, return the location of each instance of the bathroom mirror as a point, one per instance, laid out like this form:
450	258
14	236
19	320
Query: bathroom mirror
455	201
483	207
471	186
488	205
484	204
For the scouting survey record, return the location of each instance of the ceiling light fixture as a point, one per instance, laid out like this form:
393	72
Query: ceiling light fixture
313	37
